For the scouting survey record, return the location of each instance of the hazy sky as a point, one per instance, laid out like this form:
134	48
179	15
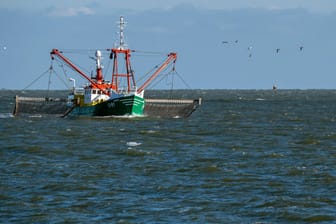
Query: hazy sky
321	6
228	44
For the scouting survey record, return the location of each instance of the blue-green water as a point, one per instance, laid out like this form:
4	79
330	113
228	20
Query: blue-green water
244	156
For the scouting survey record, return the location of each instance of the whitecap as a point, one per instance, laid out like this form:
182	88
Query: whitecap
6	115
36	116
133	144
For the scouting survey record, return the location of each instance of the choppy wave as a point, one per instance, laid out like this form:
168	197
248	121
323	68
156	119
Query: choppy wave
235	160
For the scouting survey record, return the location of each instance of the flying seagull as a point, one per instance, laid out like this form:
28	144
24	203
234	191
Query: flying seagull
225	42
277	50
301	48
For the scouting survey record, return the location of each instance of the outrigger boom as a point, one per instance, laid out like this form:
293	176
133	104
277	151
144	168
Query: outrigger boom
98	82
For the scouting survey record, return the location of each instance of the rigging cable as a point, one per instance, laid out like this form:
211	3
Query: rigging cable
60	64
62	80
77	51
184	82
80	67
49	78
162	76
107	70
35	80
149	53
151	71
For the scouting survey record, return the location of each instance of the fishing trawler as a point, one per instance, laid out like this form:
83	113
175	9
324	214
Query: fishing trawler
119	97
103	98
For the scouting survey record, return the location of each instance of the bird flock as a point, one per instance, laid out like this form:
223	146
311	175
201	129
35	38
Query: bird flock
277	50
250	53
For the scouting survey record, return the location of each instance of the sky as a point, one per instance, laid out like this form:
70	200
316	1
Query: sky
221	44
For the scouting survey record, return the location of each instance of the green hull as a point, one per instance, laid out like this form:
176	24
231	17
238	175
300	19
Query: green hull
124	106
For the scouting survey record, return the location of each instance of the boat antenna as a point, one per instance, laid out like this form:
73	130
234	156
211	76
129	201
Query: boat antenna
122	44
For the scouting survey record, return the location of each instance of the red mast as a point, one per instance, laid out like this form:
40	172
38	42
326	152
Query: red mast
123	50
129	73
115	72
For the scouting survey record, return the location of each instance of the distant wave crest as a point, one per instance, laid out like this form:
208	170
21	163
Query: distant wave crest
6	115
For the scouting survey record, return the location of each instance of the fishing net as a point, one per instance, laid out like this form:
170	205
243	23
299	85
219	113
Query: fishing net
169	108
39	105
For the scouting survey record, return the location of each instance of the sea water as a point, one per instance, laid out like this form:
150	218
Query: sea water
244	156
